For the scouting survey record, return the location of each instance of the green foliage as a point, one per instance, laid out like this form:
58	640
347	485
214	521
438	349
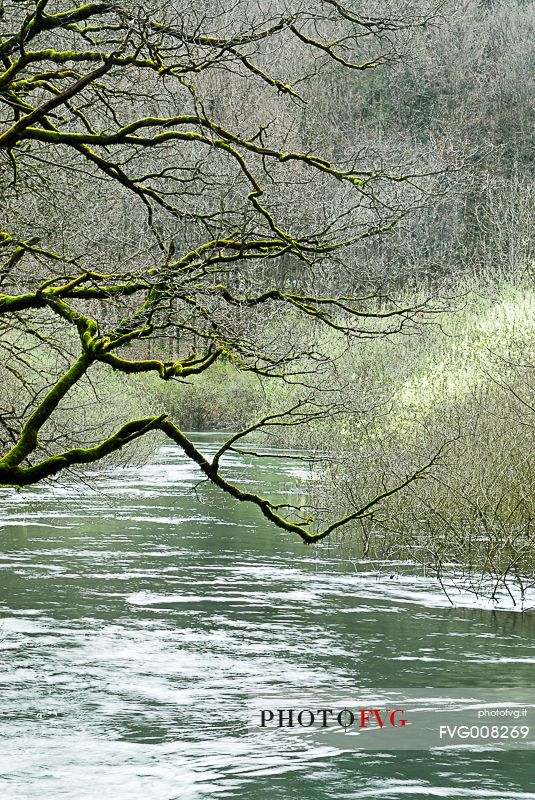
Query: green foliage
223	398
465	386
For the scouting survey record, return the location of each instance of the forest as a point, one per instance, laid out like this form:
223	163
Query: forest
300	224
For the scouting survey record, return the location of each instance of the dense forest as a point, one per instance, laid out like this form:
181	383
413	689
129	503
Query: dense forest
346	268
460	100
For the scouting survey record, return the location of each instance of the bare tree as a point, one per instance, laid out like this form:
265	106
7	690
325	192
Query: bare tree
157	197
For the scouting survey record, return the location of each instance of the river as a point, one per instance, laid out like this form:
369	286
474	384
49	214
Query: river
136	618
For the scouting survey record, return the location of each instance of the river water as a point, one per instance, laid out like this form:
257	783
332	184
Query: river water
137	619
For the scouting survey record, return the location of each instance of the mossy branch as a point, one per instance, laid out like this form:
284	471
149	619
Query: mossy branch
13	475
28	439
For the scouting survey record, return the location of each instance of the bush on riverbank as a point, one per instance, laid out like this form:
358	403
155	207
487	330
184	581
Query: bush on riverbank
463	386
222	399
464	383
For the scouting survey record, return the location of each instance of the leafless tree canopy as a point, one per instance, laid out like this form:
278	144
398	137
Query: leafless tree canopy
164	210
